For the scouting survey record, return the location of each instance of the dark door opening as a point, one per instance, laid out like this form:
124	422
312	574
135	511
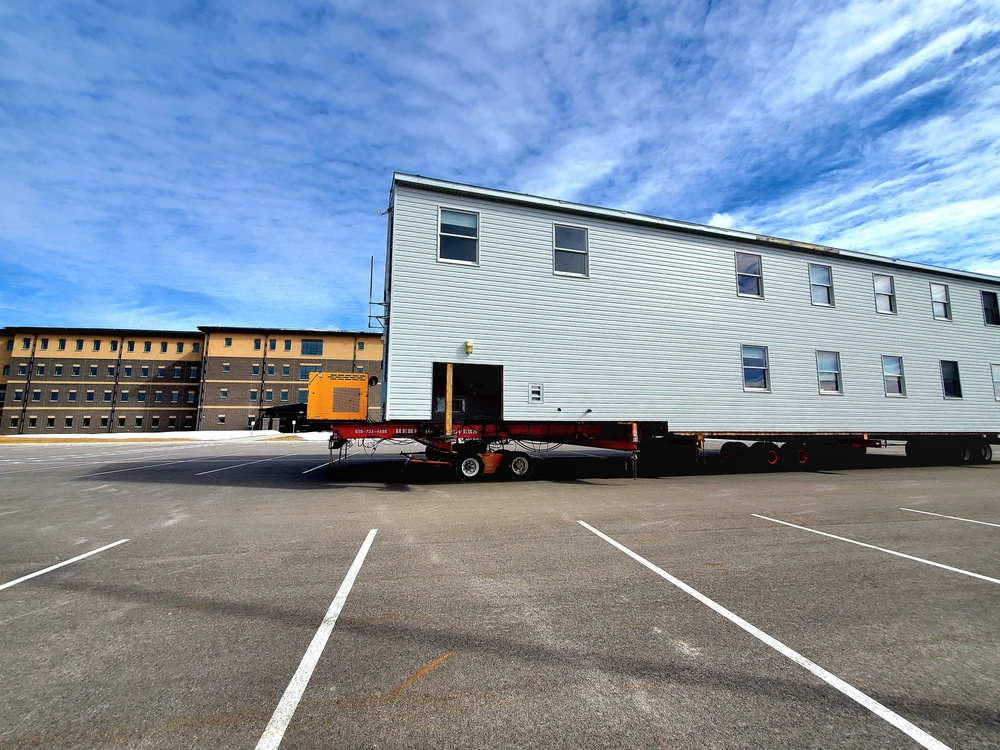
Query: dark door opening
477	391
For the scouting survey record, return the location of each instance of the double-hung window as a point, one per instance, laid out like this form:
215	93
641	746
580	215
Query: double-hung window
570	250
821	284
991	309
892	374
885	293
951	383
756	376
940	302
828	370
458	238
995	374
749	275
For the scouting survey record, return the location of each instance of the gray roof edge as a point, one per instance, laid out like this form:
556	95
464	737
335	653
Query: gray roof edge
446	186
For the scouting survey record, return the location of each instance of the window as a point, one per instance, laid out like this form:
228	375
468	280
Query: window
93	371
50	422
312	348
121	421
22	369
223	393
57	370
111	371
10	345
995	374
284	395
40	370
138	421
18	395
163	347
158	397
97	345
141	397
130	346
253	394
61	345
569	250
303	396
190	396
32	421
180	347
270	369
127	371
172	421
991	309
892	374
76	369
79	345
256	344
68	422
269	395
821	284
104	422
272	344
221	419
54	396
71	397
154	422
144	371
43	344
147	346
36	395
228	341
940	302
175	397
459	236
828	369
107	396
90	397
885	293
749	275
123	397
196	347
6	370
225	367
26	343
306	371
286	370
178	371
361	346
288	345
114	346
255	369
86	421
193	372
161	372
14	421
755	369
536	393
951	384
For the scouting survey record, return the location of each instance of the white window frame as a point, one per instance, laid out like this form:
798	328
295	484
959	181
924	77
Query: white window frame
935	302
893	309
995	375
441	233
766	368
585	252
759	276
901	377
814	285
839	372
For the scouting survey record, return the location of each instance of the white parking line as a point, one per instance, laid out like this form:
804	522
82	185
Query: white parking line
325	463
953	518
59	565
276	727
913	731
139	468
881	549
236	466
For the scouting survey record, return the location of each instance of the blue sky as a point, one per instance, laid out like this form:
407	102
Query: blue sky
243	149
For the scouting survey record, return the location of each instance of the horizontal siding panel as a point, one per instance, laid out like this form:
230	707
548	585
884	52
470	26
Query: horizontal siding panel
655	332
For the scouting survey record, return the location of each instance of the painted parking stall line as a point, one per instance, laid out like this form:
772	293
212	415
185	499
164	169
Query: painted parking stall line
62	564
275	730
953	518
881	549
911	730
237	466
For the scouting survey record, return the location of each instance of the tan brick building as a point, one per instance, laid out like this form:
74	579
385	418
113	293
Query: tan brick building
91	380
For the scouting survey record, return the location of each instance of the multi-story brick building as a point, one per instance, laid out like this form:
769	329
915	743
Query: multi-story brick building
249	371
94	380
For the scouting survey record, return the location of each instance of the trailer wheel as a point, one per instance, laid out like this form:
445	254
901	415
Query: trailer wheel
469	467
965	454
985	453
519	465
764	456
795	455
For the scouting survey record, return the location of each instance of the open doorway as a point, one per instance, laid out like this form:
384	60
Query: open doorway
477	391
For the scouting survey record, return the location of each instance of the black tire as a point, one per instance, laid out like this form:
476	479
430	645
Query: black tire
469	466
985	453
519	466
795	455
770	455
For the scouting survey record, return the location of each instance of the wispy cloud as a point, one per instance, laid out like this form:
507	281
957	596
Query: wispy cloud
176	164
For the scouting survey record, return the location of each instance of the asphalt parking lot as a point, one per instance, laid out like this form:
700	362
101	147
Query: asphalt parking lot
254	597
